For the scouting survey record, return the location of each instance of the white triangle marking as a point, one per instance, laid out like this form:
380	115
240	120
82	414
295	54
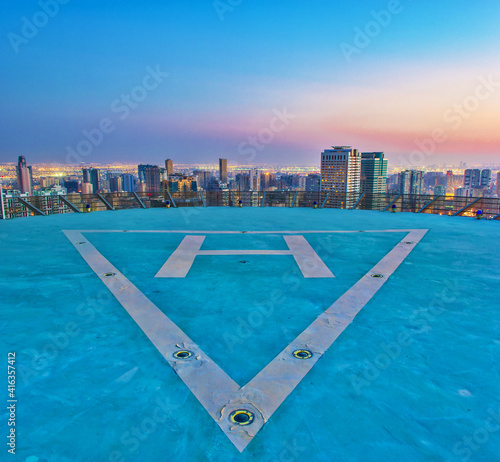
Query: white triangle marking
215	390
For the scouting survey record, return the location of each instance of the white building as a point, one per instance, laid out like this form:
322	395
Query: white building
87	188
254	179
341	175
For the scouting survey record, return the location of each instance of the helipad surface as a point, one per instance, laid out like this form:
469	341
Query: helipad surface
92	304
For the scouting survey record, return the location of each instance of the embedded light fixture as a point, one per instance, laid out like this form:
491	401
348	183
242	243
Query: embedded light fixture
303	354
183	354
241	417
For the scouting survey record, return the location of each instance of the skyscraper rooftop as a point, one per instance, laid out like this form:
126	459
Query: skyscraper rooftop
238	334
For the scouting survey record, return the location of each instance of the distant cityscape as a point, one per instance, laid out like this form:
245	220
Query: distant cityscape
343	170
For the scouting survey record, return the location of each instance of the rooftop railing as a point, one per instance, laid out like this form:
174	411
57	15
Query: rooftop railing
15	207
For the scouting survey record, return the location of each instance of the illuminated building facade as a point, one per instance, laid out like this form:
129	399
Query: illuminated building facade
24	176
341	175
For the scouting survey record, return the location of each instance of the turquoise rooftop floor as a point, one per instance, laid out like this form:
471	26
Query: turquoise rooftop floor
415	377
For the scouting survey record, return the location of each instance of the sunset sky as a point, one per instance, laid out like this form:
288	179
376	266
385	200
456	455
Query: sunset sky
430	69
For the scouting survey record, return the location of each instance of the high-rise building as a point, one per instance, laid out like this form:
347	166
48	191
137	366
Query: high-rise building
433	179
216	185
449	182
411	182
243	181
285	182
87	188
169	167
223	170
341	175
180	183
72	186
152	178
313	182
47	182
203	178
301	183
373	178
440	190
267	181
373	173
141	171
498	184
24	176
486	179
91	175
472	179
254	180
393	183
129	183
115	184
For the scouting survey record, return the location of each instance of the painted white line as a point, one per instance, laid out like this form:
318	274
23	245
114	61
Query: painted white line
244	252
169	231
321	334
308	260
180	262
207	381
215	390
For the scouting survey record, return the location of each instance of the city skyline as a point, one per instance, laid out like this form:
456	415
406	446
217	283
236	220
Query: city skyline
345	172
253	83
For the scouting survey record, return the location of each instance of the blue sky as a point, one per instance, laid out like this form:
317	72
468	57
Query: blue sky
227	78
